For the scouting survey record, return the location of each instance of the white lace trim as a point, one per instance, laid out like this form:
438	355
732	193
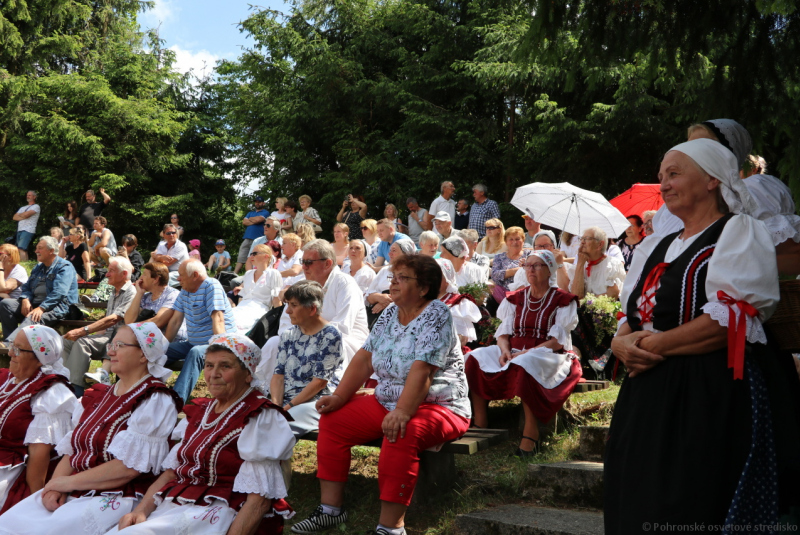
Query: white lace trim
64	446
561	335
48	428
171	462
783	227
143	453
263	477
719	313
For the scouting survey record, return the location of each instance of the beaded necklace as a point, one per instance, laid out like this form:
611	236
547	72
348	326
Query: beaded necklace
204	424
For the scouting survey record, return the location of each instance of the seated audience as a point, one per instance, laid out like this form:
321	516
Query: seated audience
455	250
463	308
532	358
506	264
221	260
194	249
154	298
356	267
390	213
47	294
306	232
102	244
289	265
443	225
119	441
429	244
471	237
545	240
420	400
280	213
259	290
593	271
291	213
647	222
70	217
57	233
309	354
12	274
369	228
225	474
129	251
569	244
494	243
77	253
37	404
388	236
171	252
308	214
378	296
84	344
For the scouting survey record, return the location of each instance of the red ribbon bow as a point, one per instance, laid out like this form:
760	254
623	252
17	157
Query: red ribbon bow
591	263
737	331
651	283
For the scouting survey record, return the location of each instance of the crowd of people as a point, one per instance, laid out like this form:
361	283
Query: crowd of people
373	336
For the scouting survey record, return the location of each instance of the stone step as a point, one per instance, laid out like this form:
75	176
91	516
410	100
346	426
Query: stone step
527	520
592	445
576	483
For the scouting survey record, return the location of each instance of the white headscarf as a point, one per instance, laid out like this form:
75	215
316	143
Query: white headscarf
449	273
548	258
456	246
245	350
549	233
47	345
154	345
733	136
407	246
720	163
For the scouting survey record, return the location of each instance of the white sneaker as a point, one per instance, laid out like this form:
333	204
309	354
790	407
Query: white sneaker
100	376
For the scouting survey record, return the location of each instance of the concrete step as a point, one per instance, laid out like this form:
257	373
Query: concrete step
592	446
576	483
527	520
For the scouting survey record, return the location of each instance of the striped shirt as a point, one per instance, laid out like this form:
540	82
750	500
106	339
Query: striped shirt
197	308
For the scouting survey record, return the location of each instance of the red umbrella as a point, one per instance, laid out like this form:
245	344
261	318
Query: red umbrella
638	199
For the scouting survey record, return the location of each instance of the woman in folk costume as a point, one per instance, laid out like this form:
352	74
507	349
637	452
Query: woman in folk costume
462	306
114	451
532	357
36	405
225	474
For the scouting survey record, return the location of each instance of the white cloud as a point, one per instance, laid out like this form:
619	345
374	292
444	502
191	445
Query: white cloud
201	62
161	14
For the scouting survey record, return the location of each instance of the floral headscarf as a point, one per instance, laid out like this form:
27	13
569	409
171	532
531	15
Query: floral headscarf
47	345
154	345
244	349
548	258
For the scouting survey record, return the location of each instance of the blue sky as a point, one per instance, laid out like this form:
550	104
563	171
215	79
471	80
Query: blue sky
201	32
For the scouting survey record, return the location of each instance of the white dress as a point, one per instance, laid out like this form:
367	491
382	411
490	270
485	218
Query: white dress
363	276
256	298
52	410
142	446
265	441
743	266
548	368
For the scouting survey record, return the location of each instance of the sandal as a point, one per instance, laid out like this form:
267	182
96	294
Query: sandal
524	454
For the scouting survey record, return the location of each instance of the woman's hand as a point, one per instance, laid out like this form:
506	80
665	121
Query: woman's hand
394	425
131	519
59	484
331	403
560	256
139	287
637	360
52	500
508	356
237	290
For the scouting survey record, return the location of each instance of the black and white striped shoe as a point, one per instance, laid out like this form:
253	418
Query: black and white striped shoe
381	531
319	521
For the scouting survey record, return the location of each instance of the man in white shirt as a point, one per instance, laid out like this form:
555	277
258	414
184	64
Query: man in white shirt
171	252
416	219
26	218
443	202
343	308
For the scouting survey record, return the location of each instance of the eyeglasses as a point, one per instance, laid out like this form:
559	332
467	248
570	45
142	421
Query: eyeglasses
170	233
254	253
174	217
309	262
399	278
546	246
16	350
534	267
584	239
492	228
115	346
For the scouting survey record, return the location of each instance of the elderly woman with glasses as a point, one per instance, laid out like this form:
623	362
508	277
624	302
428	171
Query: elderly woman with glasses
420	400
118	443
544	240
36	403
225	474
532	358
259	290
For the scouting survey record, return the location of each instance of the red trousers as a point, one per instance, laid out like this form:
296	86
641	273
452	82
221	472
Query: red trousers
360	420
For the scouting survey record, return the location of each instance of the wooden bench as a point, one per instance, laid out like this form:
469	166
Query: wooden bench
437	469
64	326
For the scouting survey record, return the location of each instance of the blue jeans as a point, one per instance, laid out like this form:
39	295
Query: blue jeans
24	239
194	358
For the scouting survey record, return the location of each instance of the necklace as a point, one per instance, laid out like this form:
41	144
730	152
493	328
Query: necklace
534	302
4	394
205	424
140	381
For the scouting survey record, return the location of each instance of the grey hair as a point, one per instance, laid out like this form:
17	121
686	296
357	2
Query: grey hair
35	194
308	294
50	242
193	266
323	248
600	235
428	236
272	218
411	199
480	187
470	235
456	246
649	213
123	264
443	184
169	226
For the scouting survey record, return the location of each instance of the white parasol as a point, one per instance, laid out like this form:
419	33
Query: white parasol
569	208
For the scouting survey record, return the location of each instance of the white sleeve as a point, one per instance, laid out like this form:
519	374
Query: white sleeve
744	267
775	207
566	320
52	415
505	313
143	445
465	315
274	282
616	273
171	462
265	441
520	281
376	286
64	446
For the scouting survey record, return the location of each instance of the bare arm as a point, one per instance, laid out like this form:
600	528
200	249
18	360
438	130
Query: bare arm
218	322
292	271
577	287
249	516
174	324
276	389
23	215
36	465
104	195
312	389
109	475
356	374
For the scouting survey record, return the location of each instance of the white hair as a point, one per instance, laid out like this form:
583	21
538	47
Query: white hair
598	234
193	265
428	236
123	264
480	187
50	242
443	184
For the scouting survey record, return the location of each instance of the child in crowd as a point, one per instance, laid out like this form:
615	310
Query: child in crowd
221	260
194	249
